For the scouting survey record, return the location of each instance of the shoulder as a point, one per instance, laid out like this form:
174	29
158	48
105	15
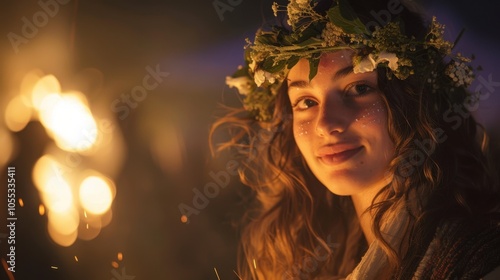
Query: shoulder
466	248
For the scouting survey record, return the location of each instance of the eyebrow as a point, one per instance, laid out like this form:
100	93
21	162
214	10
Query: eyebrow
338	75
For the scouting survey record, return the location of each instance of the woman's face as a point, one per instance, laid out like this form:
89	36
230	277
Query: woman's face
340	124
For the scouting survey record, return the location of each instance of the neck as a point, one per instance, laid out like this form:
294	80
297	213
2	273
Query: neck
362	202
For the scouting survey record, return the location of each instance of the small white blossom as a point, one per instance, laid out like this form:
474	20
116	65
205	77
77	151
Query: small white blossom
252	65
388	57
243	84
369	64
460	73
261	76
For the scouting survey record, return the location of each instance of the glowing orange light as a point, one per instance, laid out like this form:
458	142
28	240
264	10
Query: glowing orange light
88	232
41	209
69	121
95	195
45	86
184	219
17	114
65	223
64	240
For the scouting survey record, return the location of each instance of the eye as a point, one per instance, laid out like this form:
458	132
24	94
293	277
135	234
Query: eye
304	103
359	89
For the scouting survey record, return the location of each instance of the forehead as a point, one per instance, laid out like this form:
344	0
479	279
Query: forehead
330	62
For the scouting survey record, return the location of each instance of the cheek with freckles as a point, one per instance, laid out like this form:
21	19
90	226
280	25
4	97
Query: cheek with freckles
372	115
303	129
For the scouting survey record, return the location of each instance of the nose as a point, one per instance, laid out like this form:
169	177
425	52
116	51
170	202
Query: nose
333	118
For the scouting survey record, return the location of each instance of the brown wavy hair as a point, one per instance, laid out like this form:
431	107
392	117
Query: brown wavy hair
295	228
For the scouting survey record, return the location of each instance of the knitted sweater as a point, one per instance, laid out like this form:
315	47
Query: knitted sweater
462	250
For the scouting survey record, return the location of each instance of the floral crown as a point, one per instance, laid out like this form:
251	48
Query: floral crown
273	53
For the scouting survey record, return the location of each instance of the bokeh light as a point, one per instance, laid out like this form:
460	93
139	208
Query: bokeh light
95	195
69	121
43	87
77	202
17	114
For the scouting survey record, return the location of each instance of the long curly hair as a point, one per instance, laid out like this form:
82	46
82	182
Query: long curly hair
295	228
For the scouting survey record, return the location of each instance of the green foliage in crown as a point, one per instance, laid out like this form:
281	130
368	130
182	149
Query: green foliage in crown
274	52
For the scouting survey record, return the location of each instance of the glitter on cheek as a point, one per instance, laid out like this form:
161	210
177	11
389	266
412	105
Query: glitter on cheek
372	115
303	128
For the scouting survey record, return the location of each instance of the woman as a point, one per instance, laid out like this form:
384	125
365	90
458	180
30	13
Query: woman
357	168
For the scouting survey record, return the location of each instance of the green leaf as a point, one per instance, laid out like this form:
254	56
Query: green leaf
292	61
309	42
313	65
271	66
312	30
266	38
344	17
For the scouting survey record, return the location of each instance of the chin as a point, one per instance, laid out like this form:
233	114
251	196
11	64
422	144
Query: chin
349	187
343	190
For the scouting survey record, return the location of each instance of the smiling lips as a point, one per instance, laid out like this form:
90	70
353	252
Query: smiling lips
337	153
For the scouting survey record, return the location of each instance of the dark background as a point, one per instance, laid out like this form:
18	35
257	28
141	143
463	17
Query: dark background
198	48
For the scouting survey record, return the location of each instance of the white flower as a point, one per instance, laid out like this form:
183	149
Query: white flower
366	65
261	76
388	57
253	65
243	84
369	64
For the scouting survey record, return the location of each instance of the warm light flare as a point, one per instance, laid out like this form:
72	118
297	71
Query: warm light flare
87	232
17	114
57	195
64	240
28	84
64	223
56	192
41	209
75	208
45	86
95	195
69	121
44	168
